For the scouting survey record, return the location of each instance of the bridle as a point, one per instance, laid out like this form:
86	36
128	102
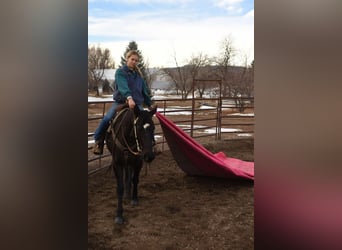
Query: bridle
116	141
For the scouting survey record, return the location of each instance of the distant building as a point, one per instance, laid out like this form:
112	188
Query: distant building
107	81
109	75
159	83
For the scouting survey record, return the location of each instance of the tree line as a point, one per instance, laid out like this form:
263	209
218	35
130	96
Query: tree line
237	81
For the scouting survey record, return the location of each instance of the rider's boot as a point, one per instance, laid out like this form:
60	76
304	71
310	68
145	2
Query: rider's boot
98	147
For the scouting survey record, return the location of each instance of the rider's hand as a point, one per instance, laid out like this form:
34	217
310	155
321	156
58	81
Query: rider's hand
151	107
131	103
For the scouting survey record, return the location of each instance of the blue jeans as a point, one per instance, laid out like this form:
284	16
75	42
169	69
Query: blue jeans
104	124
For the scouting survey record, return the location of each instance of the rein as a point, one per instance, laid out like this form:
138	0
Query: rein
116	140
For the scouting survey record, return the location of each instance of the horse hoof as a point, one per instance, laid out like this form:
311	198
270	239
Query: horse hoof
134	202
119	220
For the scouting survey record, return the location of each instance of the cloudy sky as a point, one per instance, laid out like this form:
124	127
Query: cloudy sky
164	29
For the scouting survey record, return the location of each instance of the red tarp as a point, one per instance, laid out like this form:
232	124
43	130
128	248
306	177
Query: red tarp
194	159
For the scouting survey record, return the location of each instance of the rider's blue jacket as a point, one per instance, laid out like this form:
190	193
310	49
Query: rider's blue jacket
128	82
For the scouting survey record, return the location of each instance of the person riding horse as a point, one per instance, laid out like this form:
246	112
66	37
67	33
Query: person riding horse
130	87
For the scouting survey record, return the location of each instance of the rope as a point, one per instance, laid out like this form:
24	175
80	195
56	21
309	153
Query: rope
135	134
116	140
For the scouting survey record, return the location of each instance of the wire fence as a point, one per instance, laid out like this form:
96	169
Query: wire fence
203	119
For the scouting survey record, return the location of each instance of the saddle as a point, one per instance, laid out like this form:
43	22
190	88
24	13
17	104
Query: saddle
121	107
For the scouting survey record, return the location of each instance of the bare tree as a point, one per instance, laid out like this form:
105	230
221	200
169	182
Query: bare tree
151	74
205	75
175	76
98	60
243	86
224	66
201	68
247	80
183	77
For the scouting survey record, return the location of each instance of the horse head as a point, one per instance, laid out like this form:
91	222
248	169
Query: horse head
146	128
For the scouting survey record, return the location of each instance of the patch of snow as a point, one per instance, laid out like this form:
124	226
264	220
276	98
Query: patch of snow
243	114
100	99
246	135
207	107
223	130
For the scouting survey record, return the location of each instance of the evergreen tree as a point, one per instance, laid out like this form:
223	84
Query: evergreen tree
134	46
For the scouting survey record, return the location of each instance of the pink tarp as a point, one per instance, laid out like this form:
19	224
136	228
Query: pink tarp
194	159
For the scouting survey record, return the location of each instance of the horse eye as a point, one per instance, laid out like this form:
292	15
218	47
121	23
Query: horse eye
146	125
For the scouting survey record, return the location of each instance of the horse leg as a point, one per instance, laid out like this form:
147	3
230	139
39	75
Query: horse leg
136	173
119	190
128	183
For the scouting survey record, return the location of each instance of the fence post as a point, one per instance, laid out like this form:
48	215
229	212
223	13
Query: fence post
193	108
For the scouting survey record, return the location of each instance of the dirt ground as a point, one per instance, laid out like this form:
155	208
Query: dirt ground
176	211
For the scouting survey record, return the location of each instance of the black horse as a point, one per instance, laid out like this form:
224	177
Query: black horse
130	140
